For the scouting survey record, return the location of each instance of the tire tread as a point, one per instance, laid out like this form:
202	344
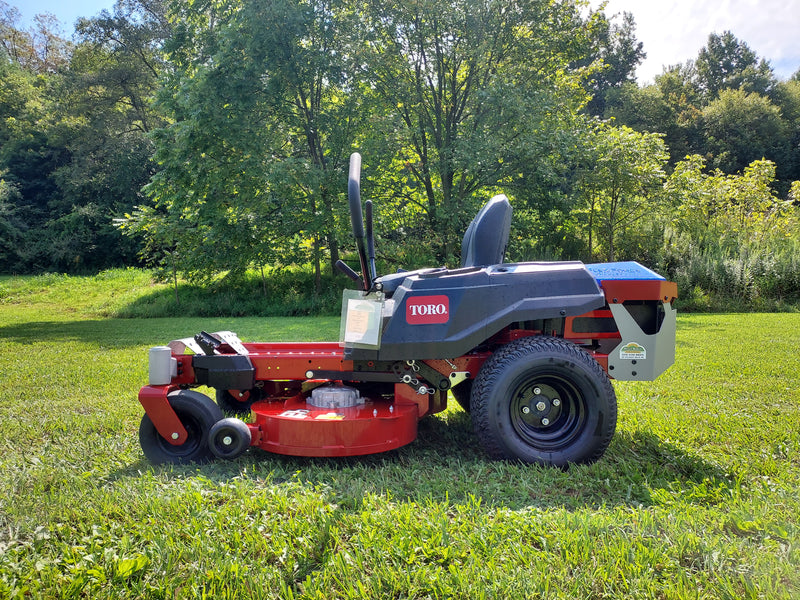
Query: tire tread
493	370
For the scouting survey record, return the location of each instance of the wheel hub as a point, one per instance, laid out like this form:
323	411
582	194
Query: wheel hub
547	412
539	406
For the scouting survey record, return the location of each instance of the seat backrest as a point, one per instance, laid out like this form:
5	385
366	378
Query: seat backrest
486	238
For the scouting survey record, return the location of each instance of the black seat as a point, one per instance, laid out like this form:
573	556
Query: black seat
484	243
486	238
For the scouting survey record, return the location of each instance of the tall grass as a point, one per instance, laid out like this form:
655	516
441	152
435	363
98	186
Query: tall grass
696	497
751	278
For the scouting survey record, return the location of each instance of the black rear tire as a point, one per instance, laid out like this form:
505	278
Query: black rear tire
543	400
197	413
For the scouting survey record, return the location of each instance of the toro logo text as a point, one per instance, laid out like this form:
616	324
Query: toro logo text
427	310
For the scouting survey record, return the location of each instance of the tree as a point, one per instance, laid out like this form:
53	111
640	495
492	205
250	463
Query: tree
787	99
261	121
74	134
726	63
106	112
617	47
727	211
741	127
12	227
117	66
473	93
28	159
39	49
619	183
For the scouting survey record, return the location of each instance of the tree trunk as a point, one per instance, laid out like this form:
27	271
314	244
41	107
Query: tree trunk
330	230
317	266
175	279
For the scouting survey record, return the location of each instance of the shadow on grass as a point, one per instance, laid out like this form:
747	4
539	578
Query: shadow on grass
446	464
125	333
111	333
283	294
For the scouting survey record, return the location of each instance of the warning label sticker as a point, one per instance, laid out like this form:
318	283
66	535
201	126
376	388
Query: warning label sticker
632	351
331	416
294	414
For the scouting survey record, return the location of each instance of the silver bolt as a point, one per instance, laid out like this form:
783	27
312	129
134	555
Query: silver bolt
545	421
556	402
227	440
175	435
537	390
525	410
540	406
309	374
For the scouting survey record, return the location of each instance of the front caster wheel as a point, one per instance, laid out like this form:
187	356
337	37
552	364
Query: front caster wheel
197	413
229	438
543	400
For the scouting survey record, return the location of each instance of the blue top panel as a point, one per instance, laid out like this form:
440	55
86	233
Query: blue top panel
619	271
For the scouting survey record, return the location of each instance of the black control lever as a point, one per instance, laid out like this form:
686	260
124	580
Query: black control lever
370	240
356	219
345	268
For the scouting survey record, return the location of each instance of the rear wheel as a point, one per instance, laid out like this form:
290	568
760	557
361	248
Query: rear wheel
544	400
197	413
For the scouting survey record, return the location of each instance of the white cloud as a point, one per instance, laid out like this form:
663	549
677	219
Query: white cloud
674	32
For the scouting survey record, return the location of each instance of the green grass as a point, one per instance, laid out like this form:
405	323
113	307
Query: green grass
696	498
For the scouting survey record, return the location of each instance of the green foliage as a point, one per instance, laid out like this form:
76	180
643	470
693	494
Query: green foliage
696	497
618	185
742	127
616	46
726	63
470	101
216	136
731	236
73	137
254	153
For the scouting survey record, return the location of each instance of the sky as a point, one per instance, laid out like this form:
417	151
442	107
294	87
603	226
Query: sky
673	31
67	11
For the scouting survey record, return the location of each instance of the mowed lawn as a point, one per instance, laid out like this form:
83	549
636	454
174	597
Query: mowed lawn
698	496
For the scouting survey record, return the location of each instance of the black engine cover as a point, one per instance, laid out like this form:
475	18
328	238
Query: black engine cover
447	313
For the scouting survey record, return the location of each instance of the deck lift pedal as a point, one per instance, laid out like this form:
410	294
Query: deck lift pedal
527	348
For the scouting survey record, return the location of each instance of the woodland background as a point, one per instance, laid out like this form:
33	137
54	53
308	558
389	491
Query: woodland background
208	140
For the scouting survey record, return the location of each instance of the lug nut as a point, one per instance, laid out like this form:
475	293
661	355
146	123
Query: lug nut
227	440
540	406
525	410
545	421
175	435
537	390
556	402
